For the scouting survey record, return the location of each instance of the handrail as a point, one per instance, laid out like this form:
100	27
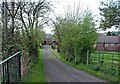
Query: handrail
9	58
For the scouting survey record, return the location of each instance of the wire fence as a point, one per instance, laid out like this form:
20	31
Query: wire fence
108	62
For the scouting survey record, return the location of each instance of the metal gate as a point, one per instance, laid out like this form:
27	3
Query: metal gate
10	69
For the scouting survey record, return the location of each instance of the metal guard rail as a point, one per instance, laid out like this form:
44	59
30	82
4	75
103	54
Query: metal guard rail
10	69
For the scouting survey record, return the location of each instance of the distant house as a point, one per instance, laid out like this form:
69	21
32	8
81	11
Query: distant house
47	39
105	42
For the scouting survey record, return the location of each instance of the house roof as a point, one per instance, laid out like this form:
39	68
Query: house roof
108	39
48	36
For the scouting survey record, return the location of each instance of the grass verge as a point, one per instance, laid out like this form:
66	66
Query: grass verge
86	68
36	73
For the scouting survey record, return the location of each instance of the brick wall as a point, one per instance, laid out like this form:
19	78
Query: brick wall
109	47
24	63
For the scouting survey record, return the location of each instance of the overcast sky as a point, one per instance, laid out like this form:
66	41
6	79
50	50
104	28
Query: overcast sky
61	6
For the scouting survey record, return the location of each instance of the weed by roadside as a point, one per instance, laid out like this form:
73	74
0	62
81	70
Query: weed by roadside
36	73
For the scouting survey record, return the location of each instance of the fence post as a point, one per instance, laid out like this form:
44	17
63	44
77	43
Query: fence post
19	59
1	74
112	60
98	57
3	69
8	72
87	57
103	57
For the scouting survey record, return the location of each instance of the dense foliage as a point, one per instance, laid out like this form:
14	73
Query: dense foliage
75	35
22	27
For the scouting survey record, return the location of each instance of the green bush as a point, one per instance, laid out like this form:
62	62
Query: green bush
75	36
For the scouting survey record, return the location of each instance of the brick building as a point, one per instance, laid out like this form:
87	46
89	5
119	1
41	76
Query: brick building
105	42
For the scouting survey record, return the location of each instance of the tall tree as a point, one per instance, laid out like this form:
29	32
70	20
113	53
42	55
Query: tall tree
110	12
33	17
25	22
75	36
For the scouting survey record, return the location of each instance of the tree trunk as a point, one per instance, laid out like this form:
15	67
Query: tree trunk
12	30
5	21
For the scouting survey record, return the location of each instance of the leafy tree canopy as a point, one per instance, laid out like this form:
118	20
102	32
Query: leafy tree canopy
75	35
110	12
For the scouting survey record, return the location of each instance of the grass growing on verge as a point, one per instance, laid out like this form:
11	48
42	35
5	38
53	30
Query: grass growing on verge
36	73
86	68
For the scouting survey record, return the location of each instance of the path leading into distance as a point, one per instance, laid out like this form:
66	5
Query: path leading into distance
57	71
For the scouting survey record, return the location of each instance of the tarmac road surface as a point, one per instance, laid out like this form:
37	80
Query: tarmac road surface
58	71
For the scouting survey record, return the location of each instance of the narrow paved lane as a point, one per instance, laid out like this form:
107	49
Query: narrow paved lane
57	71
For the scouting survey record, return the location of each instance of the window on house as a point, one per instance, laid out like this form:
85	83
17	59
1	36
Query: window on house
106	45
112	45
118	45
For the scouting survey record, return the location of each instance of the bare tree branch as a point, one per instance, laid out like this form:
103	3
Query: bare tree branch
8	10
17	8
